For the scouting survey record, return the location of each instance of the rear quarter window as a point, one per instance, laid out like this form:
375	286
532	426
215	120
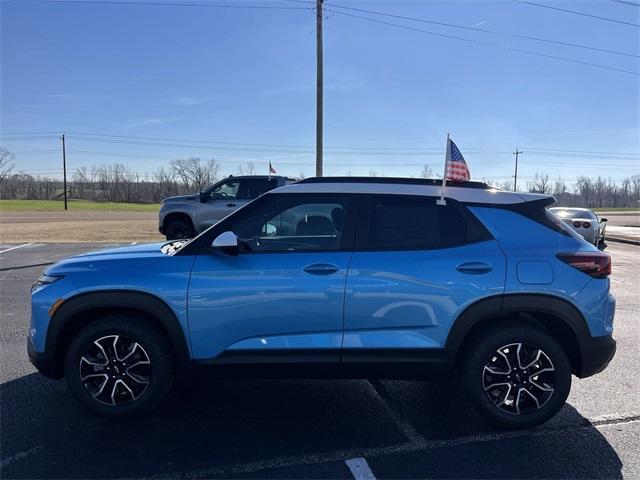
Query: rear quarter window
560	225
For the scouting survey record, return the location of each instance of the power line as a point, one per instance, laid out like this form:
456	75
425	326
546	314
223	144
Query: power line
163	4
484	30
285	161
577	13
339	149
626	2
485	44
584	151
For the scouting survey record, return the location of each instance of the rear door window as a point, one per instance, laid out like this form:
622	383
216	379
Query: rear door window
251	188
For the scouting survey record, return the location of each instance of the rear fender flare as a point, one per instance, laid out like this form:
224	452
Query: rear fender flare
506	305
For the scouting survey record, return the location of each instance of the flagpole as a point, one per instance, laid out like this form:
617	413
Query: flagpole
441	200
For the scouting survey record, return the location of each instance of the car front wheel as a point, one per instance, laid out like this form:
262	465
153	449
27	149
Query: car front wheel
179	229
119	366
517	376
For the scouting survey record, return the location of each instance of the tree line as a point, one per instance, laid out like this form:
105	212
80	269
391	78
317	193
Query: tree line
116	182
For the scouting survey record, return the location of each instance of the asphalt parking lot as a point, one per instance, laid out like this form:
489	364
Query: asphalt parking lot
310	429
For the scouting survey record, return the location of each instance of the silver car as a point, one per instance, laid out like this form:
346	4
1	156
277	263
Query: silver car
585	222
185	216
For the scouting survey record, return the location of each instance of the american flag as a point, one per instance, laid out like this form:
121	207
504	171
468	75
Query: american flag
271	169
457	169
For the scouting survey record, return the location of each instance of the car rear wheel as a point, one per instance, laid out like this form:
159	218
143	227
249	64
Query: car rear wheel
179	229
119	366
516	375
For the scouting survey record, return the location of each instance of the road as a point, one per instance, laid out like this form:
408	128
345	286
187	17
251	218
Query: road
622	219
310	429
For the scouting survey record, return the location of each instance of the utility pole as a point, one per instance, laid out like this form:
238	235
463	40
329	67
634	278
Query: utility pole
515	175
64	170
319	88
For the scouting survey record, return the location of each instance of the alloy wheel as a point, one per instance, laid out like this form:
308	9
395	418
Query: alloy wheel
518	378
115	370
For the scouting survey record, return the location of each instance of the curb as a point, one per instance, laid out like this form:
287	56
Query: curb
623	240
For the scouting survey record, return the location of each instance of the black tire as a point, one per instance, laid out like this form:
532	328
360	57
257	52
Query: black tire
486	355
145	385
179	229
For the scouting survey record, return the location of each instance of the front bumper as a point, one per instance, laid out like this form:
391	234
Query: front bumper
43	362
595	353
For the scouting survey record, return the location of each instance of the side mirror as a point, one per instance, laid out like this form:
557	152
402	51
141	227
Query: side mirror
227	243
203	197
604	219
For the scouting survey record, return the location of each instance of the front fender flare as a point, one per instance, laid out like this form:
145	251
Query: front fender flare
114	299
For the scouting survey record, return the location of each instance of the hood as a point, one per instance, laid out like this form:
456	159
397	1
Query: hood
121	258
182	198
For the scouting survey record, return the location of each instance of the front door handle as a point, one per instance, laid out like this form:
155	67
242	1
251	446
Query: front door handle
321	269
231	204
474	268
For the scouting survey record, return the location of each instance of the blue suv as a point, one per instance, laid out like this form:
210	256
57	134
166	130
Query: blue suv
340	277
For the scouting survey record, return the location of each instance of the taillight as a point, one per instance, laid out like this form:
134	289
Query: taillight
577	224
586	225
594	264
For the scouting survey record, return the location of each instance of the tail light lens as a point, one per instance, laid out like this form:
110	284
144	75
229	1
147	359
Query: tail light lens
586	225
577	224
594	264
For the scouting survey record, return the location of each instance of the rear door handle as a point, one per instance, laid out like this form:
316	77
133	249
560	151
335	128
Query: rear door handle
474	268
231	204
321	269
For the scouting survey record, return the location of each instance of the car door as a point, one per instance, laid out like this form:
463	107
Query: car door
415	268
281	299
220	200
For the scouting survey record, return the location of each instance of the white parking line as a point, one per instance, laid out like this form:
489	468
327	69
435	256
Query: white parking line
17	246
360	469
6	461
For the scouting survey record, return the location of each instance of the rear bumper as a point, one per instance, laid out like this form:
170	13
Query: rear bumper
595	353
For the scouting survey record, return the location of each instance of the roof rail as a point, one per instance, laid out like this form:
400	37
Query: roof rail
395	180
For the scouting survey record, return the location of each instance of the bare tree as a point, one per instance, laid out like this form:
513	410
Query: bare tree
248	168
6	164
427	172
80	180
506	185
195	173
540	183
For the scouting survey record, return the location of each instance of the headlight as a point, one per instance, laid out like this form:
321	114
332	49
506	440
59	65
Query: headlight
45	280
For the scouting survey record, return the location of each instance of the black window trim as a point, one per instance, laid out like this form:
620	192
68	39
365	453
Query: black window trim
364	224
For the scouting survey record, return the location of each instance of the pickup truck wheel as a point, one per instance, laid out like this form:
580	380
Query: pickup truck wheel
516	376
179	229
119	366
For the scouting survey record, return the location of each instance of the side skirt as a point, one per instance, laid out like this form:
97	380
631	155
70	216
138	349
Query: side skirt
401	364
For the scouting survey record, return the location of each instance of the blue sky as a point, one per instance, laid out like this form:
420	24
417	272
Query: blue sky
226	79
